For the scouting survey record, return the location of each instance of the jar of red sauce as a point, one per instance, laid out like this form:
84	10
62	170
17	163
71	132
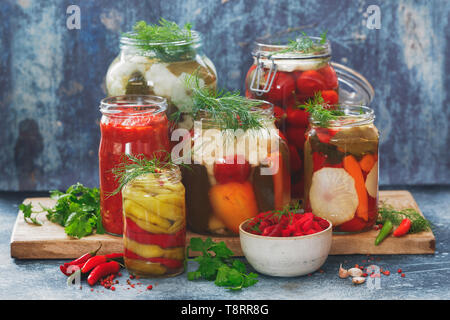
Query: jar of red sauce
130	124
288	78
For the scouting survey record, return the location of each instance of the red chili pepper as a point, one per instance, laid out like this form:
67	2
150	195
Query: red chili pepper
70	269
170	263
403	228
93	262
83	258
103	270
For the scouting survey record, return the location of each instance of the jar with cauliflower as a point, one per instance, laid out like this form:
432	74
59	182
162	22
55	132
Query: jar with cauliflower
156	59
341	169
239	163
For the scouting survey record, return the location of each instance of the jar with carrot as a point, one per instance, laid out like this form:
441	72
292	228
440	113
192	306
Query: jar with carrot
341	166
239	162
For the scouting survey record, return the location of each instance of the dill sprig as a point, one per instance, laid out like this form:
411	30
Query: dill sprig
227	109
418	222
132	166
305	44
321	112
166	39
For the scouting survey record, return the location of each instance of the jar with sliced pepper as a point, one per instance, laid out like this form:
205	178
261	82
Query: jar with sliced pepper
130	124
239	165
156	59
341	168
287	73
155	223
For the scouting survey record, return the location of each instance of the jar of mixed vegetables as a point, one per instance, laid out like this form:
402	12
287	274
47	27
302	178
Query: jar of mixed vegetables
130	124
287	74
240	166
155	223
155	59
341	168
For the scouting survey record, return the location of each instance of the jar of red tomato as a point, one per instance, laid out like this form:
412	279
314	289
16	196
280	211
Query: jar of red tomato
287	75
130	124
341	169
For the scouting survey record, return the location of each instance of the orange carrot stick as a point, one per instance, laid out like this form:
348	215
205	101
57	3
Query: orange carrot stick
367	162
351	165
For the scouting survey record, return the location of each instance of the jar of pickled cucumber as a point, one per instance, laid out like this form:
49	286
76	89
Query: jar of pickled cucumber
288	73
155	223
237	171
341	169
156	59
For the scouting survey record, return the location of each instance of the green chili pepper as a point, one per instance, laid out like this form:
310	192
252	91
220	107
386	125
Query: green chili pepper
384	232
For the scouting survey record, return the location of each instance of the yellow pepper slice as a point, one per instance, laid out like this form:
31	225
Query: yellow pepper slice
134	209
145	267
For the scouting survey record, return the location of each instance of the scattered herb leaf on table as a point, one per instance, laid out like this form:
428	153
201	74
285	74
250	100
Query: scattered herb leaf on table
215	264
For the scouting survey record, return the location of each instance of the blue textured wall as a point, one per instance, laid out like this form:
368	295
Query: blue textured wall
51	78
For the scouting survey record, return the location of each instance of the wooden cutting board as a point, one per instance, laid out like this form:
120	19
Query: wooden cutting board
50	242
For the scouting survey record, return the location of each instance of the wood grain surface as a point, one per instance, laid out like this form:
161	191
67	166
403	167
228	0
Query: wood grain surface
50	242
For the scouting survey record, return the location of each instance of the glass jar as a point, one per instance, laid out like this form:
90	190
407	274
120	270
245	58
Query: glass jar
160	69
236	175
289	79
130	124
155	224
341	170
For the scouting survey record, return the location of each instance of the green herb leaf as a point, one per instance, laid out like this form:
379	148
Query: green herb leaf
320	112
215	264
304	44
388	212
228	109
77	210
166	39
27	211
132	167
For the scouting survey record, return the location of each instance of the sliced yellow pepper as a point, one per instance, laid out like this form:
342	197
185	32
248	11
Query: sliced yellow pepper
145	267
134	209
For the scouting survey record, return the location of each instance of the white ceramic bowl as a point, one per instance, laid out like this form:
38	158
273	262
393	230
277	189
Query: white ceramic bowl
286	256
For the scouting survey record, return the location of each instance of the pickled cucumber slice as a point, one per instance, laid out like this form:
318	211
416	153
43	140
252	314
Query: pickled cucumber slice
333	195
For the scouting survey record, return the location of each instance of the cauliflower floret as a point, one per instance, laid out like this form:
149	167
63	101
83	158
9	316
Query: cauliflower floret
166	84
119	73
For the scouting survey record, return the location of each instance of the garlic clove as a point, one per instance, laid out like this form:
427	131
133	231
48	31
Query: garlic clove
355	272
343	273
358	280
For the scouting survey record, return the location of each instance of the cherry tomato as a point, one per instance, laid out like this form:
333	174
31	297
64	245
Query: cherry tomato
296	136
331	80
278	112
282	86
330	96
310	82
236	170
297	117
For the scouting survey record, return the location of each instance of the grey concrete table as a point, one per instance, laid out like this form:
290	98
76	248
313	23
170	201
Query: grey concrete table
427	276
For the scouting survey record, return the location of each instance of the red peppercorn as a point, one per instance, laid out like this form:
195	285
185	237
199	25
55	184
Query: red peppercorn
403	275
387	272
149	287
399	270
113	288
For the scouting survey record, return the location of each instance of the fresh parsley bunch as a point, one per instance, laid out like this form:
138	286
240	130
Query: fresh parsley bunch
215	264
77	210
